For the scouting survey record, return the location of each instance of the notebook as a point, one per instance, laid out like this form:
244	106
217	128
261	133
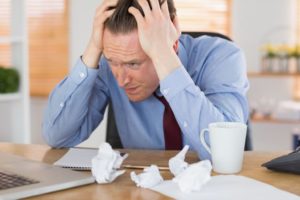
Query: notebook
81	159
77	158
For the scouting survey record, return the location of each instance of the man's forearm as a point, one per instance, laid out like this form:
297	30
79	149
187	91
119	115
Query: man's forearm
91	56
165	62
67	107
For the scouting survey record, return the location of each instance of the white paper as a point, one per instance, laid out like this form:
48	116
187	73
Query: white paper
227	187
148	178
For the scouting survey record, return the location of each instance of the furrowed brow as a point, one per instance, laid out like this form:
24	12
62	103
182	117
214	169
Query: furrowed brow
133	61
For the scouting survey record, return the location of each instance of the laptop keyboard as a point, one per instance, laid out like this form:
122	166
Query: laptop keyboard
9	180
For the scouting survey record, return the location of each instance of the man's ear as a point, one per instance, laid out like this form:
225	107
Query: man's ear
175	46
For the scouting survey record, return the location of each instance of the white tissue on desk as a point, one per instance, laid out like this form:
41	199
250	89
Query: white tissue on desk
189	177
106	163
177	163
147	179
194	176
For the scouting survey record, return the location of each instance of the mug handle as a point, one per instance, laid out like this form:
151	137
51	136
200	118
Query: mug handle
202	140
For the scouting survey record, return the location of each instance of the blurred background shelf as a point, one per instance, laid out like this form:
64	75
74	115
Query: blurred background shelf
261	119
272	74
10	97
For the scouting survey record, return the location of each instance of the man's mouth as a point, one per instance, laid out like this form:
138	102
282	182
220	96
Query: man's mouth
132	90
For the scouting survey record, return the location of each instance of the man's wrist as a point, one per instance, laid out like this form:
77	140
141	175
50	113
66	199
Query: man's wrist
165	63
91	56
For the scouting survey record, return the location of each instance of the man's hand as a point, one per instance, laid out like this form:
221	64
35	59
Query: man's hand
94	49
157	35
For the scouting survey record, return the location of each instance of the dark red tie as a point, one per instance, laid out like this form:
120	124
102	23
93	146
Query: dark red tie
173	140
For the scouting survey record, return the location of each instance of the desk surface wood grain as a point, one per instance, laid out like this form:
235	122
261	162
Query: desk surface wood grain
124	188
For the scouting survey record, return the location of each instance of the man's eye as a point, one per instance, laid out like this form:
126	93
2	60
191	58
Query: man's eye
132	65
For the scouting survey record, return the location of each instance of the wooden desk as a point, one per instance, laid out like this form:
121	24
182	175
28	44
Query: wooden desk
124	188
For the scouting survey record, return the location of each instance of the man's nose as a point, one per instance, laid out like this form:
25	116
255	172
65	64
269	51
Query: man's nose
122	76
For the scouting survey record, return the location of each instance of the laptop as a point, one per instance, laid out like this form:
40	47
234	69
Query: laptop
20	177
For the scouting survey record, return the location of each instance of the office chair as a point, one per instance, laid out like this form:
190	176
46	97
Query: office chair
112	135
211	34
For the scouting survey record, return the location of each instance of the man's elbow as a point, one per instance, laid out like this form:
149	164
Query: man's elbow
49	138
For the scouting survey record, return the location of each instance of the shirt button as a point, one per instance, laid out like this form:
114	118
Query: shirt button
185	124
166	91
82	75
61	104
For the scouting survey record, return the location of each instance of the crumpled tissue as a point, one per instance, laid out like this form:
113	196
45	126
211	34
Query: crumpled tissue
194	176
147	179
177	163
189	177
106	163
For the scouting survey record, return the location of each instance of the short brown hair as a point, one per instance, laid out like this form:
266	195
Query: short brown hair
122	21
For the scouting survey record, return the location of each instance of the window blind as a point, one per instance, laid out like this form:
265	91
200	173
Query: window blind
48	44
5	54
204	15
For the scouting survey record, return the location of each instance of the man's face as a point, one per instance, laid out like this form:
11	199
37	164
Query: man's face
131	67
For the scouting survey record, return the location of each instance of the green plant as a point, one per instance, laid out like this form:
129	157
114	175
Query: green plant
270	50
9	80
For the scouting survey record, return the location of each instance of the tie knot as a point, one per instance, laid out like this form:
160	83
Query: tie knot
162	99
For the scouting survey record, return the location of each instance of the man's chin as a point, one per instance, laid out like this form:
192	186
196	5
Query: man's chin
136	98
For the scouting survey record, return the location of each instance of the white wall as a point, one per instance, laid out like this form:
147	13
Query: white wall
81	23
256	22
37	106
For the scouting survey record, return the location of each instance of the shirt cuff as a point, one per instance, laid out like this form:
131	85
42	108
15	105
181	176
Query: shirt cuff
182	80
81	72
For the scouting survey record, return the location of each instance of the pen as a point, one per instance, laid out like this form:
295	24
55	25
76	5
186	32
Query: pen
143	166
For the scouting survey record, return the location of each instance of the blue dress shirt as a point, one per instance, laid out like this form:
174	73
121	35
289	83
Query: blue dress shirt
210	86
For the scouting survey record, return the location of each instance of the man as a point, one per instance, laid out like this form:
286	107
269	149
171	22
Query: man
137	59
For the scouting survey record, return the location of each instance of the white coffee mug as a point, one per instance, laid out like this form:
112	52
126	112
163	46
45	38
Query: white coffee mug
227	141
